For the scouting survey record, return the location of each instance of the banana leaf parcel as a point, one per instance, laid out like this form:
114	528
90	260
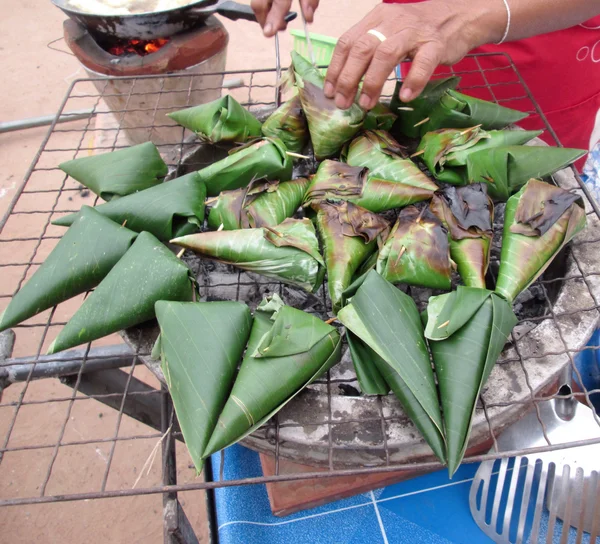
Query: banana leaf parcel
288	123
330	128
388	322
288	253
349	234
201	344
80	260
466	330
410	114
262	159
261	204
380	118
538	222
119	173
417	251
340	181
386	159
506	169
445	151
288	349
173	208
467	213
148	272
222	120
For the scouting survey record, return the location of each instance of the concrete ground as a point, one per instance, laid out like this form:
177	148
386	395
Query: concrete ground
35	80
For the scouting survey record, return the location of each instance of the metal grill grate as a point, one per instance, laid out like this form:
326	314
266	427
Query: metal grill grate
26	237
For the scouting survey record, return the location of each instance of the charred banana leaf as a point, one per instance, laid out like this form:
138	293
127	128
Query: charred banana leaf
288	123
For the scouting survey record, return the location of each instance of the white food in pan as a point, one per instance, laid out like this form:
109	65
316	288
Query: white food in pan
124	7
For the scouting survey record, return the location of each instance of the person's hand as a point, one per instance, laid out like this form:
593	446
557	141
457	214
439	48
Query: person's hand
271	13
429	33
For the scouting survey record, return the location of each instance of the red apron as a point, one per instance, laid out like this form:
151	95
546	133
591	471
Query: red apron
562	71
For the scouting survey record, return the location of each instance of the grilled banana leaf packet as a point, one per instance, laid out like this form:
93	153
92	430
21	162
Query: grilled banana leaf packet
222	120
261	204
266	158
466	330
288	253
81	259
147	273
349	234
388	324
288	349
381	117
330	128
445	151
288	123
339	181
417	251
467	213
200	346
174	208
538	222
119	173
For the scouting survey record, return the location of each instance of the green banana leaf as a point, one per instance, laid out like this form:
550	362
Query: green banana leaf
288	349
349	234
457	110
467	213
82	257
288	123
288	253
445	151
262	159
201	345
330	128
420	106
538	222
386	159
506	169
261	204
222	120
380	118
340	181
119	173
148	272
417	251
388	322
173	208
467	330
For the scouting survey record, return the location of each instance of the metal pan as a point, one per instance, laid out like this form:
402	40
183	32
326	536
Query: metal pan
159	24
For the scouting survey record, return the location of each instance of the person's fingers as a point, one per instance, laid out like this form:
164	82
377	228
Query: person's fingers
276	17
424	64
261	9
308	8
338	60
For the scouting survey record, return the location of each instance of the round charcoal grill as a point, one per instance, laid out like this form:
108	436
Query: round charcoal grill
330	424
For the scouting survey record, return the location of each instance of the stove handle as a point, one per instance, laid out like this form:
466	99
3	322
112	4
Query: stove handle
234	11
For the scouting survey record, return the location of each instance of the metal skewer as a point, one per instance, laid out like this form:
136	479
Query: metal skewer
311	52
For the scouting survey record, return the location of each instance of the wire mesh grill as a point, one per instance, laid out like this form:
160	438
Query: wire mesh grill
27	237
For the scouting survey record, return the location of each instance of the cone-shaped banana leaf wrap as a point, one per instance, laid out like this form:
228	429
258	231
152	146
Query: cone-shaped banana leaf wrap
506	169
413	112
380	118
340	181
288	253
147	273
388	322
288	349
349	234
457	110
119	173
467	330
330	128
445	151
201	344
417	251
263	159
222	120
386	159
261	204
82	257
288	123
467	213
174	208
538	222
